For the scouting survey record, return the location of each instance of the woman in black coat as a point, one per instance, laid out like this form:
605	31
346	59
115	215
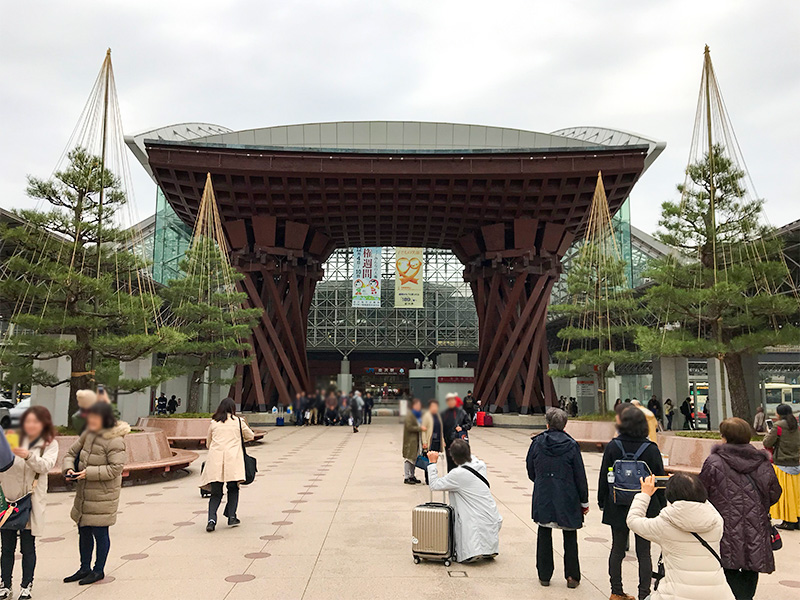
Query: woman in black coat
633	431
560	496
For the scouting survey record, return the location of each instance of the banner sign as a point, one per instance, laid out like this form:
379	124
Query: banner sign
408	273
367	277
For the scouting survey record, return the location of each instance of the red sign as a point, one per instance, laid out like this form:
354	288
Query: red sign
456	379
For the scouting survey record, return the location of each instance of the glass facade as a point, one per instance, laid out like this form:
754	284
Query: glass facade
448	320
171	238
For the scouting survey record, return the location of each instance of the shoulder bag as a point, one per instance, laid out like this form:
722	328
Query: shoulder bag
659	573
250	463
478	475
17	513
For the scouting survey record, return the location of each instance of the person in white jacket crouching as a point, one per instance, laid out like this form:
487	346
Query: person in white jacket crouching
688	530
477	520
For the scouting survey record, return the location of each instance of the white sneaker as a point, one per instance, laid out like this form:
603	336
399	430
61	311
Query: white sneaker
25	592
5	593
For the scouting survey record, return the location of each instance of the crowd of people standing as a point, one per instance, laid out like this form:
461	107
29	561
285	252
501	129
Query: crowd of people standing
333	408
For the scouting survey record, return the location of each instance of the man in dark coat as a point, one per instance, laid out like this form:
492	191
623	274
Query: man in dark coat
456	423
633	431
742	485
560	496
369	402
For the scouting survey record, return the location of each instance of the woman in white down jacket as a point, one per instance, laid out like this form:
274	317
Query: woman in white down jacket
692	571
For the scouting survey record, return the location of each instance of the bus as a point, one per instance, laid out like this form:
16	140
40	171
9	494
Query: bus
781	393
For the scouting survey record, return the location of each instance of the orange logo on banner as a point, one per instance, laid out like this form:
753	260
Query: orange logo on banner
405	266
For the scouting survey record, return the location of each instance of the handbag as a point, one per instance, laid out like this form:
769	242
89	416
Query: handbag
250	462
422	462
774	535
17	513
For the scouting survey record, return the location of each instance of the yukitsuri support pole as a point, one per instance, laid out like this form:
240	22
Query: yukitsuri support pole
512	275
279	279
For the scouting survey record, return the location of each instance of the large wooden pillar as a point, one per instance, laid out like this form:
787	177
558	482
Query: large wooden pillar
282	263
512	270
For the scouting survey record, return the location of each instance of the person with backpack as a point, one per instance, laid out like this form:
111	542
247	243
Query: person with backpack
688	531
742	486
560	496
627	458
477	521
469	405
686	411
784	441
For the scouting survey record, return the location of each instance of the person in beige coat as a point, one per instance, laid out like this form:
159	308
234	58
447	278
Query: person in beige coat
95	462
692	570
225	461
35	456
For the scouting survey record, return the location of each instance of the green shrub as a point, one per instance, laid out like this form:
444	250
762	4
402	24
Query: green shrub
609	416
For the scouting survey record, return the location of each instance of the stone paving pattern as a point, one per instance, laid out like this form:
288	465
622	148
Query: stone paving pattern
328	517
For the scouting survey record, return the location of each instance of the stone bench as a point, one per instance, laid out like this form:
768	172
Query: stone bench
687	454
149	455
185	432
592	435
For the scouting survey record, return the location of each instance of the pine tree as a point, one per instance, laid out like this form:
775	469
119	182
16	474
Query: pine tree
719	297
69	301
600	329
209	312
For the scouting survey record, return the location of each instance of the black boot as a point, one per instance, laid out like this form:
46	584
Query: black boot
77	576
92	577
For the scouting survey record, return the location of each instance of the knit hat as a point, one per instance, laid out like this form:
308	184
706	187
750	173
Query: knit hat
86	398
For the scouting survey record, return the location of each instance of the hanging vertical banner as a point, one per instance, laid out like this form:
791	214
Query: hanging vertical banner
367	277
408	273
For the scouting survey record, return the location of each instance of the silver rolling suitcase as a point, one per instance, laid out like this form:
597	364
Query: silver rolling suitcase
432	532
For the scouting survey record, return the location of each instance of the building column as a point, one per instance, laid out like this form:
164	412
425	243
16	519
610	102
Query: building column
344	380
135	404
718	399
511	270
54	399
671	380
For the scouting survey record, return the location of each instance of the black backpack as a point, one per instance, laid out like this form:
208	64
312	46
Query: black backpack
628	471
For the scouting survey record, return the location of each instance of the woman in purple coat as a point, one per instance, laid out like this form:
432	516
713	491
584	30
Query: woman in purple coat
742	486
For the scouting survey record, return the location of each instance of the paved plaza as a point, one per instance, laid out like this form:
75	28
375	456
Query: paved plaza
328	518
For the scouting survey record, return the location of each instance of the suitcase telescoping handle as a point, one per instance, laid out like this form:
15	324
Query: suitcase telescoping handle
444	494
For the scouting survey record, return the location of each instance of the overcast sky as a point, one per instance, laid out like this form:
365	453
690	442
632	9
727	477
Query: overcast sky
632	65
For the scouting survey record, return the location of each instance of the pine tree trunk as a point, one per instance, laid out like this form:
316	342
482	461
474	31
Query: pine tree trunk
737	386
79	363
193	403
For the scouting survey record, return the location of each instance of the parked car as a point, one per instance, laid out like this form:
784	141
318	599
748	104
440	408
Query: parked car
15	414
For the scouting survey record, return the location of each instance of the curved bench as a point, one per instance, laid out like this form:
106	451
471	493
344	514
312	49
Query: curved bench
687	454
592	435
149	455
185	432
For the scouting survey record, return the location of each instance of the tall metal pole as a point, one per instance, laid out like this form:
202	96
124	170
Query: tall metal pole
723	387
711	187
107	69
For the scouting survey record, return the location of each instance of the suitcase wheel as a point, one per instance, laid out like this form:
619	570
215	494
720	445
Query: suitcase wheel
416	560
447	563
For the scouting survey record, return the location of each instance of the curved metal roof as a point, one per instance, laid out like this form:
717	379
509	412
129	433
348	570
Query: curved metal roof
602	136
384	136
179	132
